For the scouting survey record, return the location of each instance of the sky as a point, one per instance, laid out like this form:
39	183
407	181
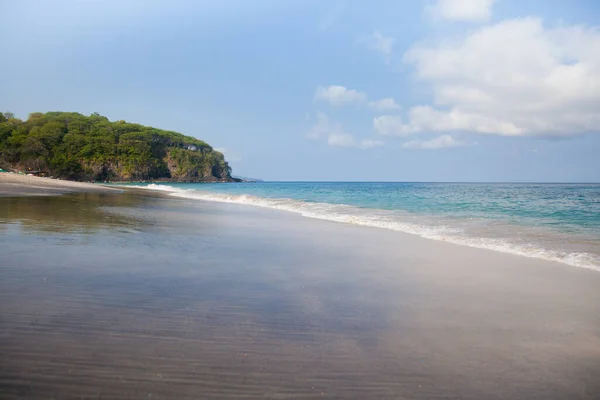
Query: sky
338	90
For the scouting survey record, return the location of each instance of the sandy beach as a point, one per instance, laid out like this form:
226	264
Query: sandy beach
12	184
289	200
147	297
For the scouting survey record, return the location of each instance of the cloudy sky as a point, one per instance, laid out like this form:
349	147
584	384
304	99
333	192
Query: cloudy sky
438	90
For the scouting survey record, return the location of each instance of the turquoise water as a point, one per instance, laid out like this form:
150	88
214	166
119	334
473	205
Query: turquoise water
559	222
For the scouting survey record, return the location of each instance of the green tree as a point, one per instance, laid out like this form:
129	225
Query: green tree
75	146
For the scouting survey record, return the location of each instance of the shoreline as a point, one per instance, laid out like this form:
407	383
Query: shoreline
578	259
14	184
18	185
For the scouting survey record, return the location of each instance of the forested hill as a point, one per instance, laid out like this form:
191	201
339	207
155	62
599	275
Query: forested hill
92	148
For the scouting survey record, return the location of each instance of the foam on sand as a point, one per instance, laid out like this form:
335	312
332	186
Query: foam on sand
393	220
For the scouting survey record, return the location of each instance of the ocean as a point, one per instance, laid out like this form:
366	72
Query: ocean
557	222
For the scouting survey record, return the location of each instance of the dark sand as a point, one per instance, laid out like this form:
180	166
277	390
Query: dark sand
128	296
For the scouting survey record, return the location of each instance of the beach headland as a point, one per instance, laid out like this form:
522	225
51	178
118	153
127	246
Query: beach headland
133	296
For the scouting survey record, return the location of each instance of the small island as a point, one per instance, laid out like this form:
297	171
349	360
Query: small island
72	146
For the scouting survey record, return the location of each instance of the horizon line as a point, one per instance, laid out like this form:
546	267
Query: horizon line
350	181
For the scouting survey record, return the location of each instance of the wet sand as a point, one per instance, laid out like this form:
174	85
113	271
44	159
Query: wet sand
12	185
159	298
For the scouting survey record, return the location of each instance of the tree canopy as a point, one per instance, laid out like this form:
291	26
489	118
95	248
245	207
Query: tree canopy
74	146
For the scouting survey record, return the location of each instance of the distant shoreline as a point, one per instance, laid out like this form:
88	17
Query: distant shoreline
14	184
18	185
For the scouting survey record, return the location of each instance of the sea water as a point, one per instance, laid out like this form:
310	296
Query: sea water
557	222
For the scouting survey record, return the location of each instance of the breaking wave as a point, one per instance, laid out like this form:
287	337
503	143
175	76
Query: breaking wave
436	229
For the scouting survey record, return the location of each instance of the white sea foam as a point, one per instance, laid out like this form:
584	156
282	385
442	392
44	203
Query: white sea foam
390	220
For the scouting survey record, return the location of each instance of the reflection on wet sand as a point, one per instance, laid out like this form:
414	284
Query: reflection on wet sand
174	299
81	212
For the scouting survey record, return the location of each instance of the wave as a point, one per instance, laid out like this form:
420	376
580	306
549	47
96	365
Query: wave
392	220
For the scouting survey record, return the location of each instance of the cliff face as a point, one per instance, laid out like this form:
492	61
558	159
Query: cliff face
77	147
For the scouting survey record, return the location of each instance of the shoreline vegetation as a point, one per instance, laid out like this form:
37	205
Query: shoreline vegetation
75	147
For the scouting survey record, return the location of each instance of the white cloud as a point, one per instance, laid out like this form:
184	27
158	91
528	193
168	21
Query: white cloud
427	118
334	134
346	140
323	127
391	125
369	143
439	142
339	95
341	140
385	105
462	10
382	44
514	78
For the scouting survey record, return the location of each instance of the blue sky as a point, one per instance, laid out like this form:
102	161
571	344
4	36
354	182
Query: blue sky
440	90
